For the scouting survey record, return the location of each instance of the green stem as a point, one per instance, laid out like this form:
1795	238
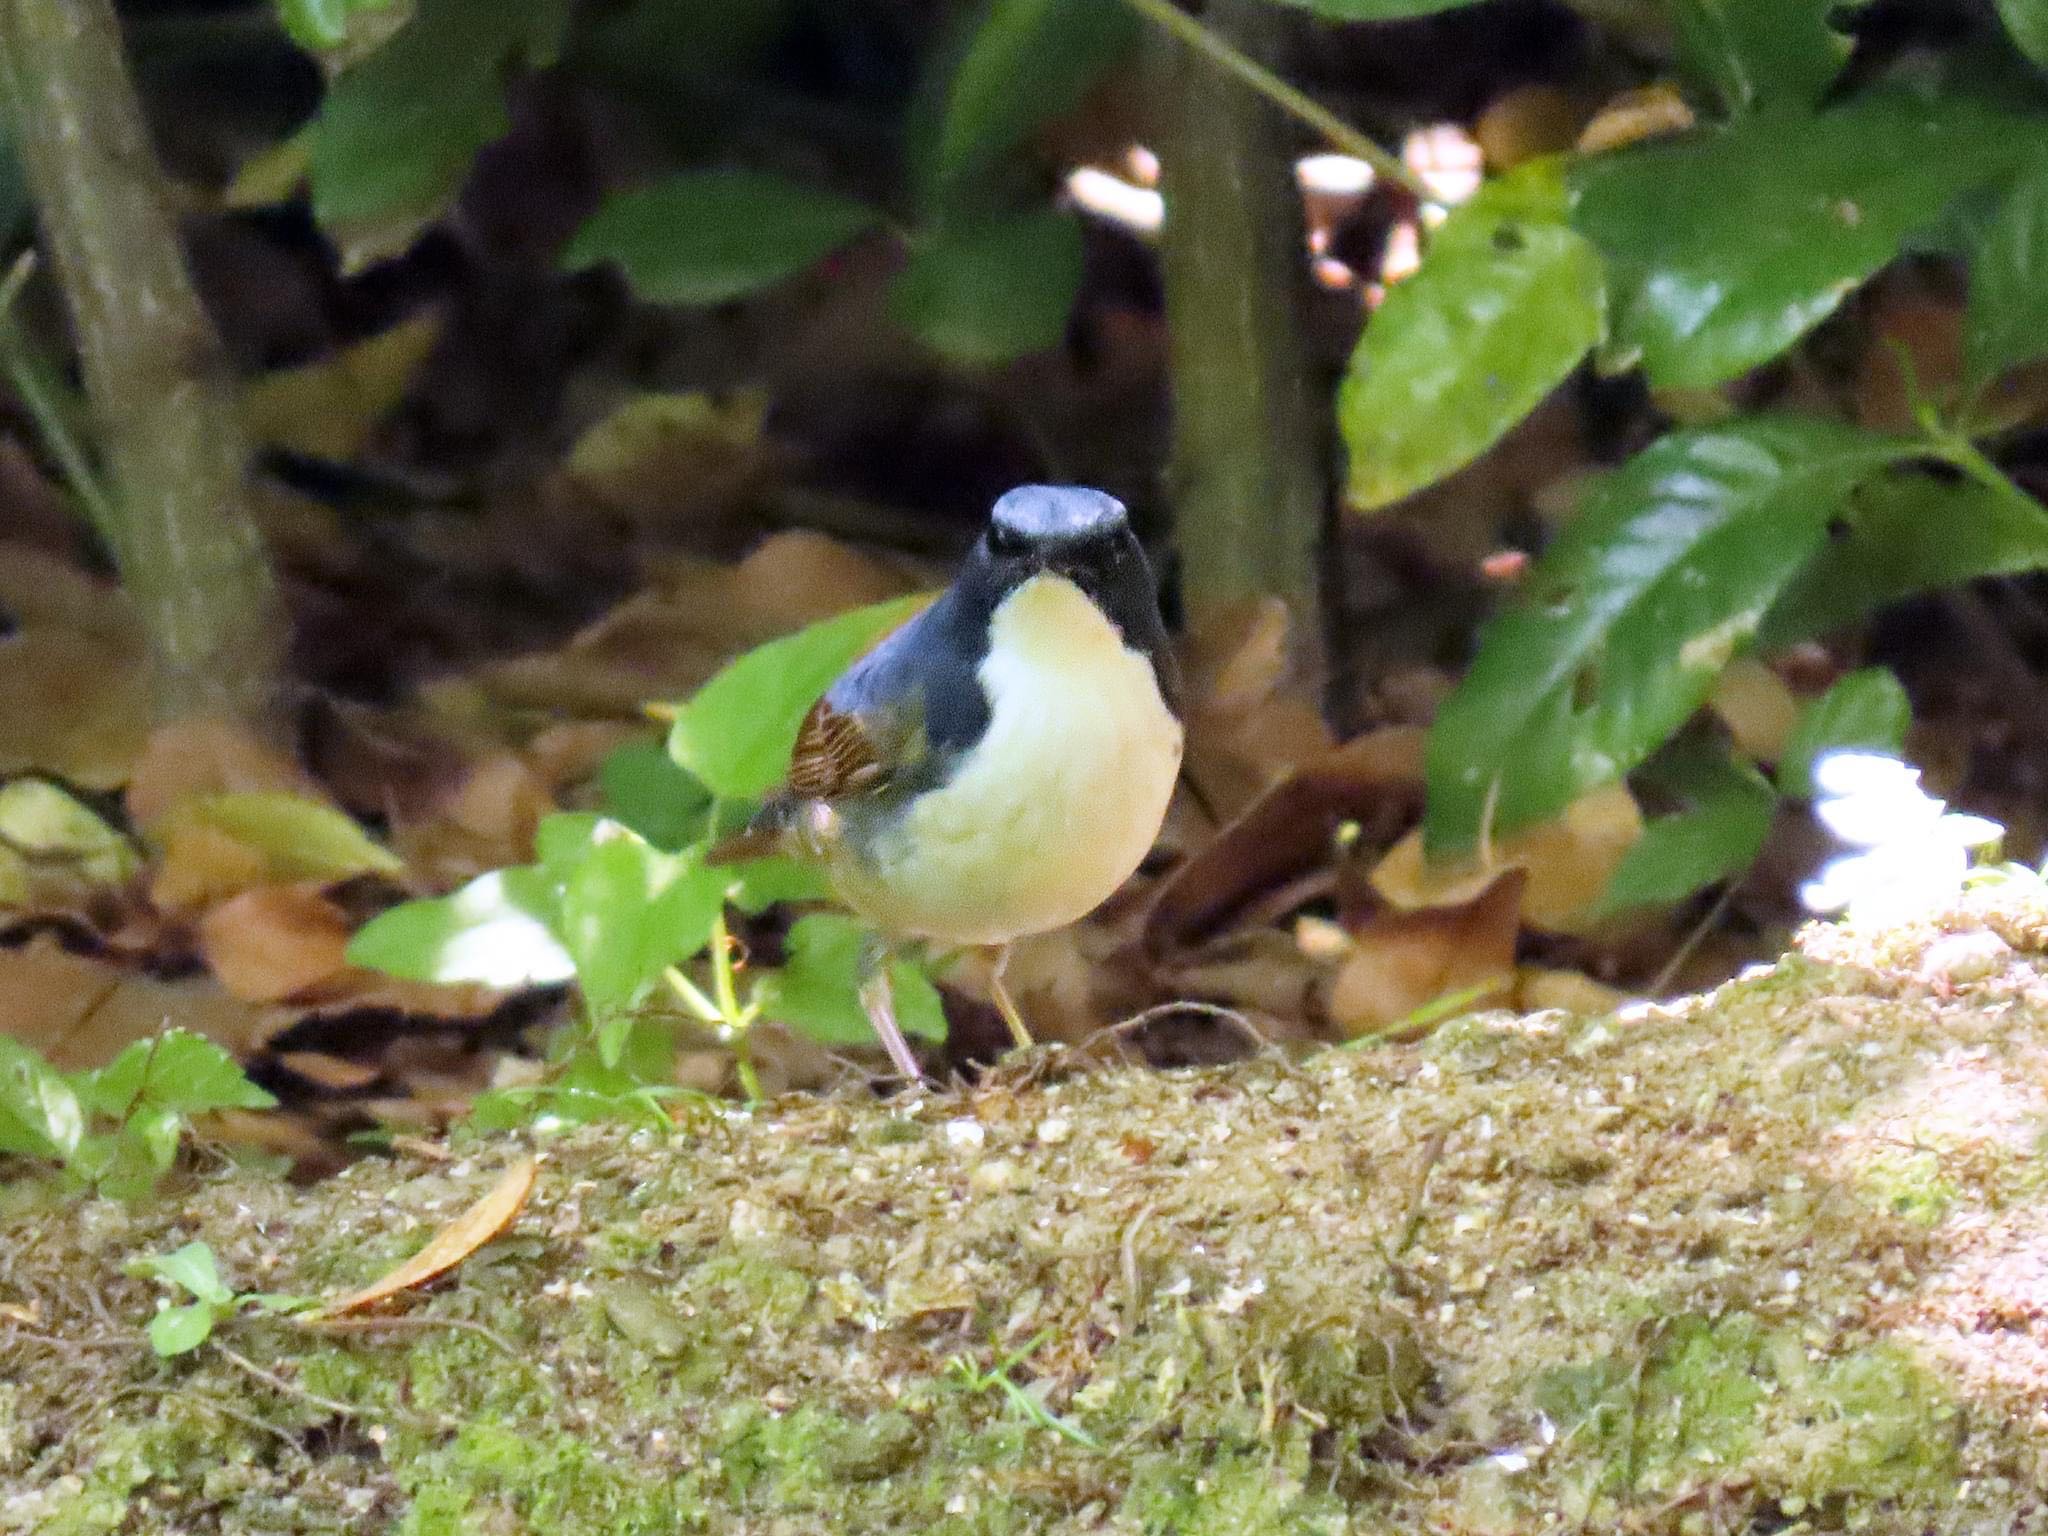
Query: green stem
42	394
1290	99
1957	451
155	373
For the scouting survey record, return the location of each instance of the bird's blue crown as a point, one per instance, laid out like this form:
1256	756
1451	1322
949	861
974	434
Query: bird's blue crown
1058	512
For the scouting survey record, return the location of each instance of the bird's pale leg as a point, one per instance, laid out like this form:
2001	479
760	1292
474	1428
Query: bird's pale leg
1019	1035
877	1001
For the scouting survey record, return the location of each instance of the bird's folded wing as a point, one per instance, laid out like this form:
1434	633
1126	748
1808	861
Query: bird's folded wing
837	754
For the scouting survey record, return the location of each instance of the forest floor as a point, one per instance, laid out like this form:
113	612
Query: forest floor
1772	1258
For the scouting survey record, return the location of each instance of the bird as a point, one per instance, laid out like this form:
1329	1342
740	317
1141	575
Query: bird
1000	763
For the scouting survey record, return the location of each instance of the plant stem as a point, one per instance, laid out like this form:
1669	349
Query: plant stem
1290	99
158	381
44	398
1247	476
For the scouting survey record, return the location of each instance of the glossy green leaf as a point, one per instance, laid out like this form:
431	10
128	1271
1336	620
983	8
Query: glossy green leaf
647	790
180	1330
709	236
1503	307
499	930
1906	533
300	838
629	911
992	292
817	991
1866	710
1726	246
1026	61
318	25
1760	54
397	132
1626	622
178	1072
2007	321
2026	23
1727	811
192	1269
40	1115
737	732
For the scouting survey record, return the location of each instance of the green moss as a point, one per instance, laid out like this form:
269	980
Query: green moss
1240	1491
1907	1182
1869	1427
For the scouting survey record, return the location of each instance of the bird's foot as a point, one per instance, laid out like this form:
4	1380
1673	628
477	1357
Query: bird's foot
1005	1005
877	1001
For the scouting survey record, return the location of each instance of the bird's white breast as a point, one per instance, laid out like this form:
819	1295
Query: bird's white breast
1053	809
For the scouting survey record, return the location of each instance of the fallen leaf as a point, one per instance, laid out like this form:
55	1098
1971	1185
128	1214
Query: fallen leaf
1756	706
79	1012
1538	988
73	704
329	409
1289	831
1647	112
455	1242
1569	861
1403	961
675	460
215	846
274	942
189	758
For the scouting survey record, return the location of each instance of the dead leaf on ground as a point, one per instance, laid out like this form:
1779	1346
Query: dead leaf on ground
1246	728
675	460
275	942
1647	112
1759	710
485	819
1403	961
455	1242
189	758
329	409
1569	860
1289	833
81	1013
72	704
212	847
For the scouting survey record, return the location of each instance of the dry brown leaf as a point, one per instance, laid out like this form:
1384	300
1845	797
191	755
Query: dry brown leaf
1537	988
1927	326
275	942
80	1012
674	460
1527	123
329	409
1756	706
1289	832
198	865
188	758
38	590
1647	112
72	703
1403	961
335	1074
1569	860
455	1242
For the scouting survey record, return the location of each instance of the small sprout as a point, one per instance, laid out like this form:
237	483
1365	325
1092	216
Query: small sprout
178	1329
970	1378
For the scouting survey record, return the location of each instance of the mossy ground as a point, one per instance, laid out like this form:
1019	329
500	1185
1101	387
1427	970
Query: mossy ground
1776	1259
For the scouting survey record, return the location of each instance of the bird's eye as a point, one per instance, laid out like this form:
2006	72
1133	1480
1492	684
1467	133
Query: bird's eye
1005	540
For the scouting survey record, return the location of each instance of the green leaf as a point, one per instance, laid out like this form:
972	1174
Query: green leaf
709	236
192	1269
190	1074
737	732
15	203
318	25
629	911
1628	619
1027	61
1867	710
500	930
1760	54
2007	321
647	790
300	839
40	1115
760	883
1726	246
2026	22
1727	815
180	1330
988	293
39	822
817	991
397	131
1908	533
1503	307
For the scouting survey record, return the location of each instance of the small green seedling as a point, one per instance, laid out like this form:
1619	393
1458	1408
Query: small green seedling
181	1327
969	1377
117	1129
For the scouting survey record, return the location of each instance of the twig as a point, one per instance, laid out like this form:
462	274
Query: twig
1432	1149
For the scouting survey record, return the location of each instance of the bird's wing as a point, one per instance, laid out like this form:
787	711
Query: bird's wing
837	755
